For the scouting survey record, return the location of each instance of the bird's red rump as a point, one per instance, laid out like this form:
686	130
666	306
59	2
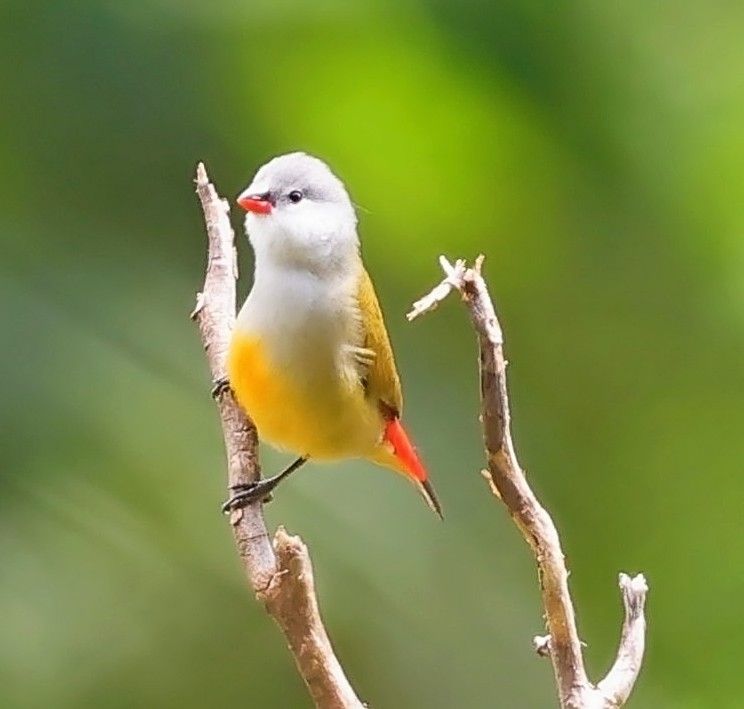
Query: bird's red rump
403	449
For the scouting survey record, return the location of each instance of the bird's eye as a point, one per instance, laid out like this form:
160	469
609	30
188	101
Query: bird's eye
295	196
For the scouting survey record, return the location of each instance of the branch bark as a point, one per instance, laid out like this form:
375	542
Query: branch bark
509	484
281	573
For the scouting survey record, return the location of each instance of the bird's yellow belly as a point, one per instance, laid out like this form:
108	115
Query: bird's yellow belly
320	417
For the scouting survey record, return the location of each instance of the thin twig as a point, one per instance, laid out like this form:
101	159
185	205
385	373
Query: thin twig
281	575
619	681
432	300
509	484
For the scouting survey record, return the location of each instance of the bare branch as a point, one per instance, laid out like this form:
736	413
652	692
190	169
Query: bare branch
432	300
618	683
281	576
509	484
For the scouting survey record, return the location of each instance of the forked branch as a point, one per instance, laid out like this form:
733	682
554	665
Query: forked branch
509	484
281	574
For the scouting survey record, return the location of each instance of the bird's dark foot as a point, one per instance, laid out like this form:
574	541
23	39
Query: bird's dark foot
244	495
219	387
259	491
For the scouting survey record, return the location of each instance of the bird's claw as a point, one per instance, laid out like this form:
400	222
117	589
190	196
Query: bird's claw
219	387
246	494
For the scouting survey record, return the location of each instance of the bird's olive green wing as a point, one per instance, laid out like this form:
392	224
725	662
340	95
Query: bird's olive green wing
380	376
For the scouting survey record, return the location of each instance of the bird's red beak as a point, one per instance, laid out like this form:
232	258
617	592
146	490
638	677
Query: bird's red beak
256	203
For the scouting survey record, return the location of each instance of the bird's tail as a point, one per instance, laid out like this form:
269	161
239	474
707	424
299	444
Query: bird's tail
400	455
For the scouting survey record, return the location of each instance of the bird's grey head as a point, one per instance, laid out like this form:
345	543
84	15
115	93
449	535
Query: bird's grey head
299	214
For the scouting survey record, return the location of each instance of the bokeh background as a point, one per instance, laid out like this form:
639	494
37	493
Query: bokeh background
593	151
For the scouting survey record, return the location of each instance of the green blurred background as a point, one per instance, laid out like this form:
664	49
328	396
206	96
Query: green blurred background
593	151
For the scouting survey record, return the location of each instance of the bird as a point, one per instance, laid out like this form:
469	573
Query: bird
310	359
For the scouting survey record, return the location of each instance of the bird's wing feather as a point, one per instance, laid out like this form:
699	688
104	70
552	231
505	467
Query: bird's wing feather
380	376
